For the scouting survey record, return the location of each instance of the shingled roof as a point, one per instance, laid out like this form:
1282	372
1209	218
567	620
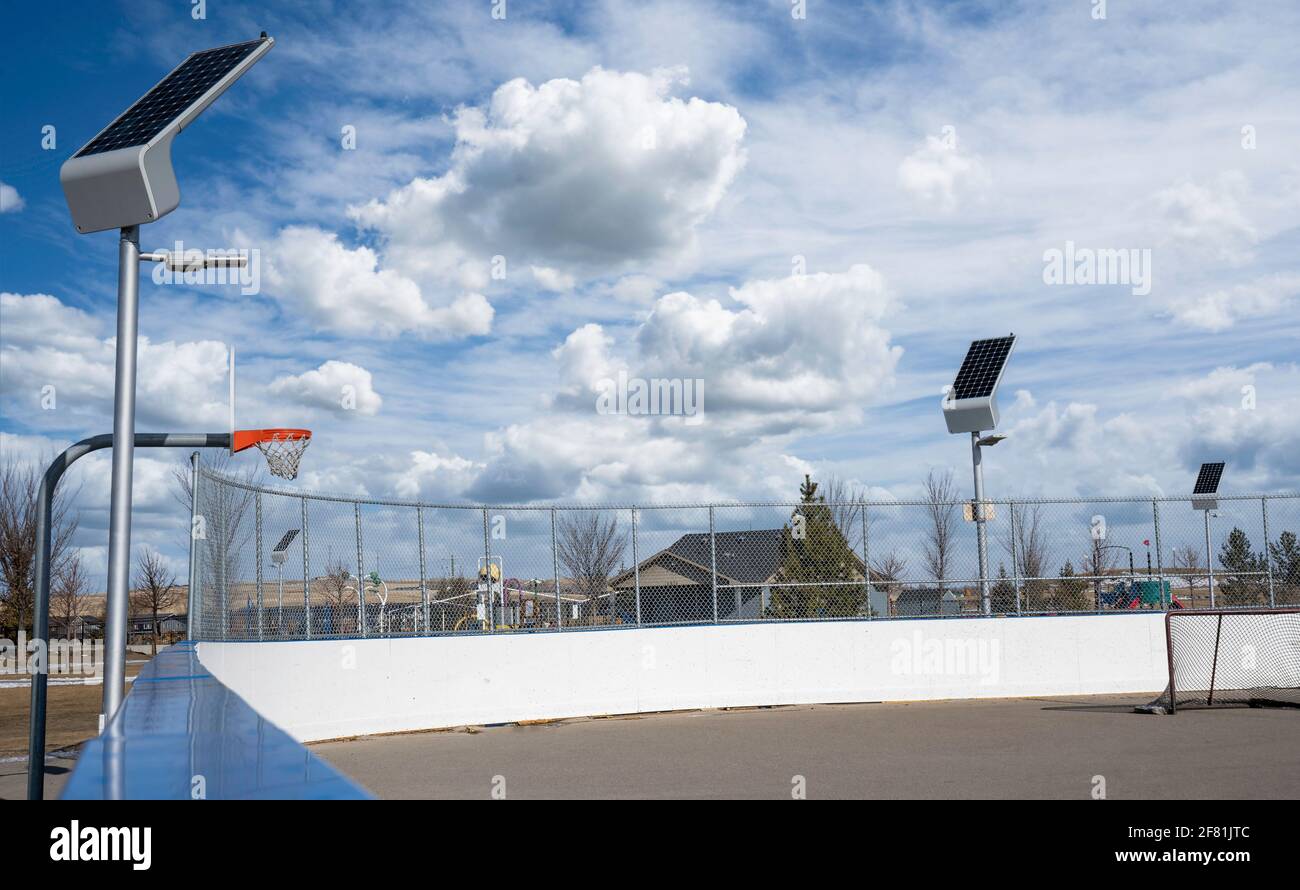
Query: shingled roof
749	557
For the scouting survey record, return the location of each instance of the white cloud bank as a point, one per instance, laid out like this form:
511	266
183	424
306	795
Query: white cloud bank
788	357
591	173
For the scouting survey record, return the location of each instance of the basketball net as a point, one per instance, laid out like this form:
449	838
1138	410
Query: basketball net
282	452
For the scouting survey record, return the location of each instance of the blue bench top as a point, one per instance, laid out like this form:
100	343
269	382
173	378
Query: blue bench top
181	733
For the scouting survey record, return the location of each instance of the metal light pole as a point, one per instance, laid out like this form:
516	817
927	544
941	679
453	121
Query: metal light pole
117	608
1209	558
122	179
970	406
981	531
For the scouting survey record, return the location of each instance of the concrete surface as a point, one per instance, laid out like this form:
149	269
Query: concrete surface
13	778
1006	748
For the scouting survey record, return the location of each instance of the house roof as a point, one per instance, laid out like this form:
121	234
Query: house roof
749	557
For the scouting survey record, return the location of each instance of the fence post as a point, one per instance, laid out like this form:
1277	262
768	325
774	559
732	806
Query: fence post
866	559
258	550
636	569
713	564
361	598
424	591
555	571
489	605
1015	563
306	572
191	607
1268	557
1160	565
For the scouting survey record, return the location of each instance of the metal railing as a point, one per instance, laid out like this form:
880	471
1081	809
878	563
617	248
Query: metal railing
385	568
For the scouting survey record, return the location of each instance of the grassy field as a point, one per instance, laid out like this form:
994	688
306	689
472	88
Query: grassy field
72	711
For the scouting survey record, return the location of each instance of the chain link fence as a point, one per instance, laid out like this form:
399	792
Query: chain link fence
275	565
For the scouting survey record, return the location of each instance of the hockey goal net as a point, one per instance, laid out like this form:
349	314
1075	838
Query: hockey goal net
1231	657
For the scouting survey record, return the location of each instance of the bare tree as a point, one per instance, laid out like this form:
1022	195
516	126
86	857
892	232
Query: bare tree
941	510
69	588
20	484
886	571
1185	560
590	548
155	589
1028	546
845	503
1097	562
337	592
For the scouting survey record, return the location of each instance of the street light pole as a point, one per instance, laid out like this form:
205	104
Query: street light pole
981	531
119	531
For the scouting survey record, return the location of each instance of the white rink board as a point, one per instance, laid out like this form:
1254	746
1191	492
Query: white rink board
324	689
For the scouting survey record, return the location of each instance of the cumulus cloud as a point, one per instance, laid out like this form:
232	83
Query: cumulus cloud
341	387
784	358
939	172
589	173
10	200
52	351
552	279
1248	416
344	290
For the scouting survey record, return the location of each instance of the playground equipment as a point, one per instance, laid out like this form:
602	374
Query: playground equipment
1145	594
491	591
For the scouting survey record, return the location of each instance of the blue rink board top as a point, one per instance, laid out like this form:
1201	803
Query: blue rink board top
182	734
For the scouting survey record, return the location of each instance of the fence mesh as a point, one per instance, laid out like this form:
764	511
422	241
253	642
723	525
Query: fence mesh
275	564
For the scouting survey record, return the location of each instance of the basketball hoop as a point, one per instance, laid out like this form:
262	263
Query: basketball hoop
282	448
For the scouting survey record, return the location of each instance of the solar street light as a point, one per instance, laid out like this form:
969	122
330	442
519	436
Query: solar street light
1203	499
278	555
122	179
970	405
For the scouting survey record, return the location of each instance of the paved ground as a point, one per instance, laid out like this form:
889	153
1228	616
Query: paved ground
13	778
1008	748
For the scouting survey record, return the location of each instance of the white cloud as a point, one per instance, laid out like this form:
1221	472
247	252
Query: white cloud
341	387
1222	308
1073	449
1209	217
793	357
49	344
343	289
595	172
939	172
552	279
10	200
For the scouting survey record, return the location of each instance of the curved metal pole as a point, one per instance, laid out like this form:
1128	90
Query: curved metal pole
41	619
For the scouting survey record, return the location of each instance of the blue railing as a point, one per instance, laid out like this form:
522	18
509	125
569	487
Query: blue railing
182	734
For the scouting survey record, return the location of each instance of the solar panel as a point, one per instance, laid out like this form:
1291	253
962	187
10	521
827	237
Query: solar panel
170	98
285	541
1207	480
981	368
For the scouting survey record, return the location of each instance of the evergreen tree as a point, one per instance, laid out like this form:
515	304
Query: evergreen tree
813	553
1072	591
1286	568
1243	584
1002	597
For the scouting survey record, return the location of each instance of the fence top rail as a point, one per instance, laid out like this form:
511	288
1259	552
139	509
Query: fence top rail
1005	502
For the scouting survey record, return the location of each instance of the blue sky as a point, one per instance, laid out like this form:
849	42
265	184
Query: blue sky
812	216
